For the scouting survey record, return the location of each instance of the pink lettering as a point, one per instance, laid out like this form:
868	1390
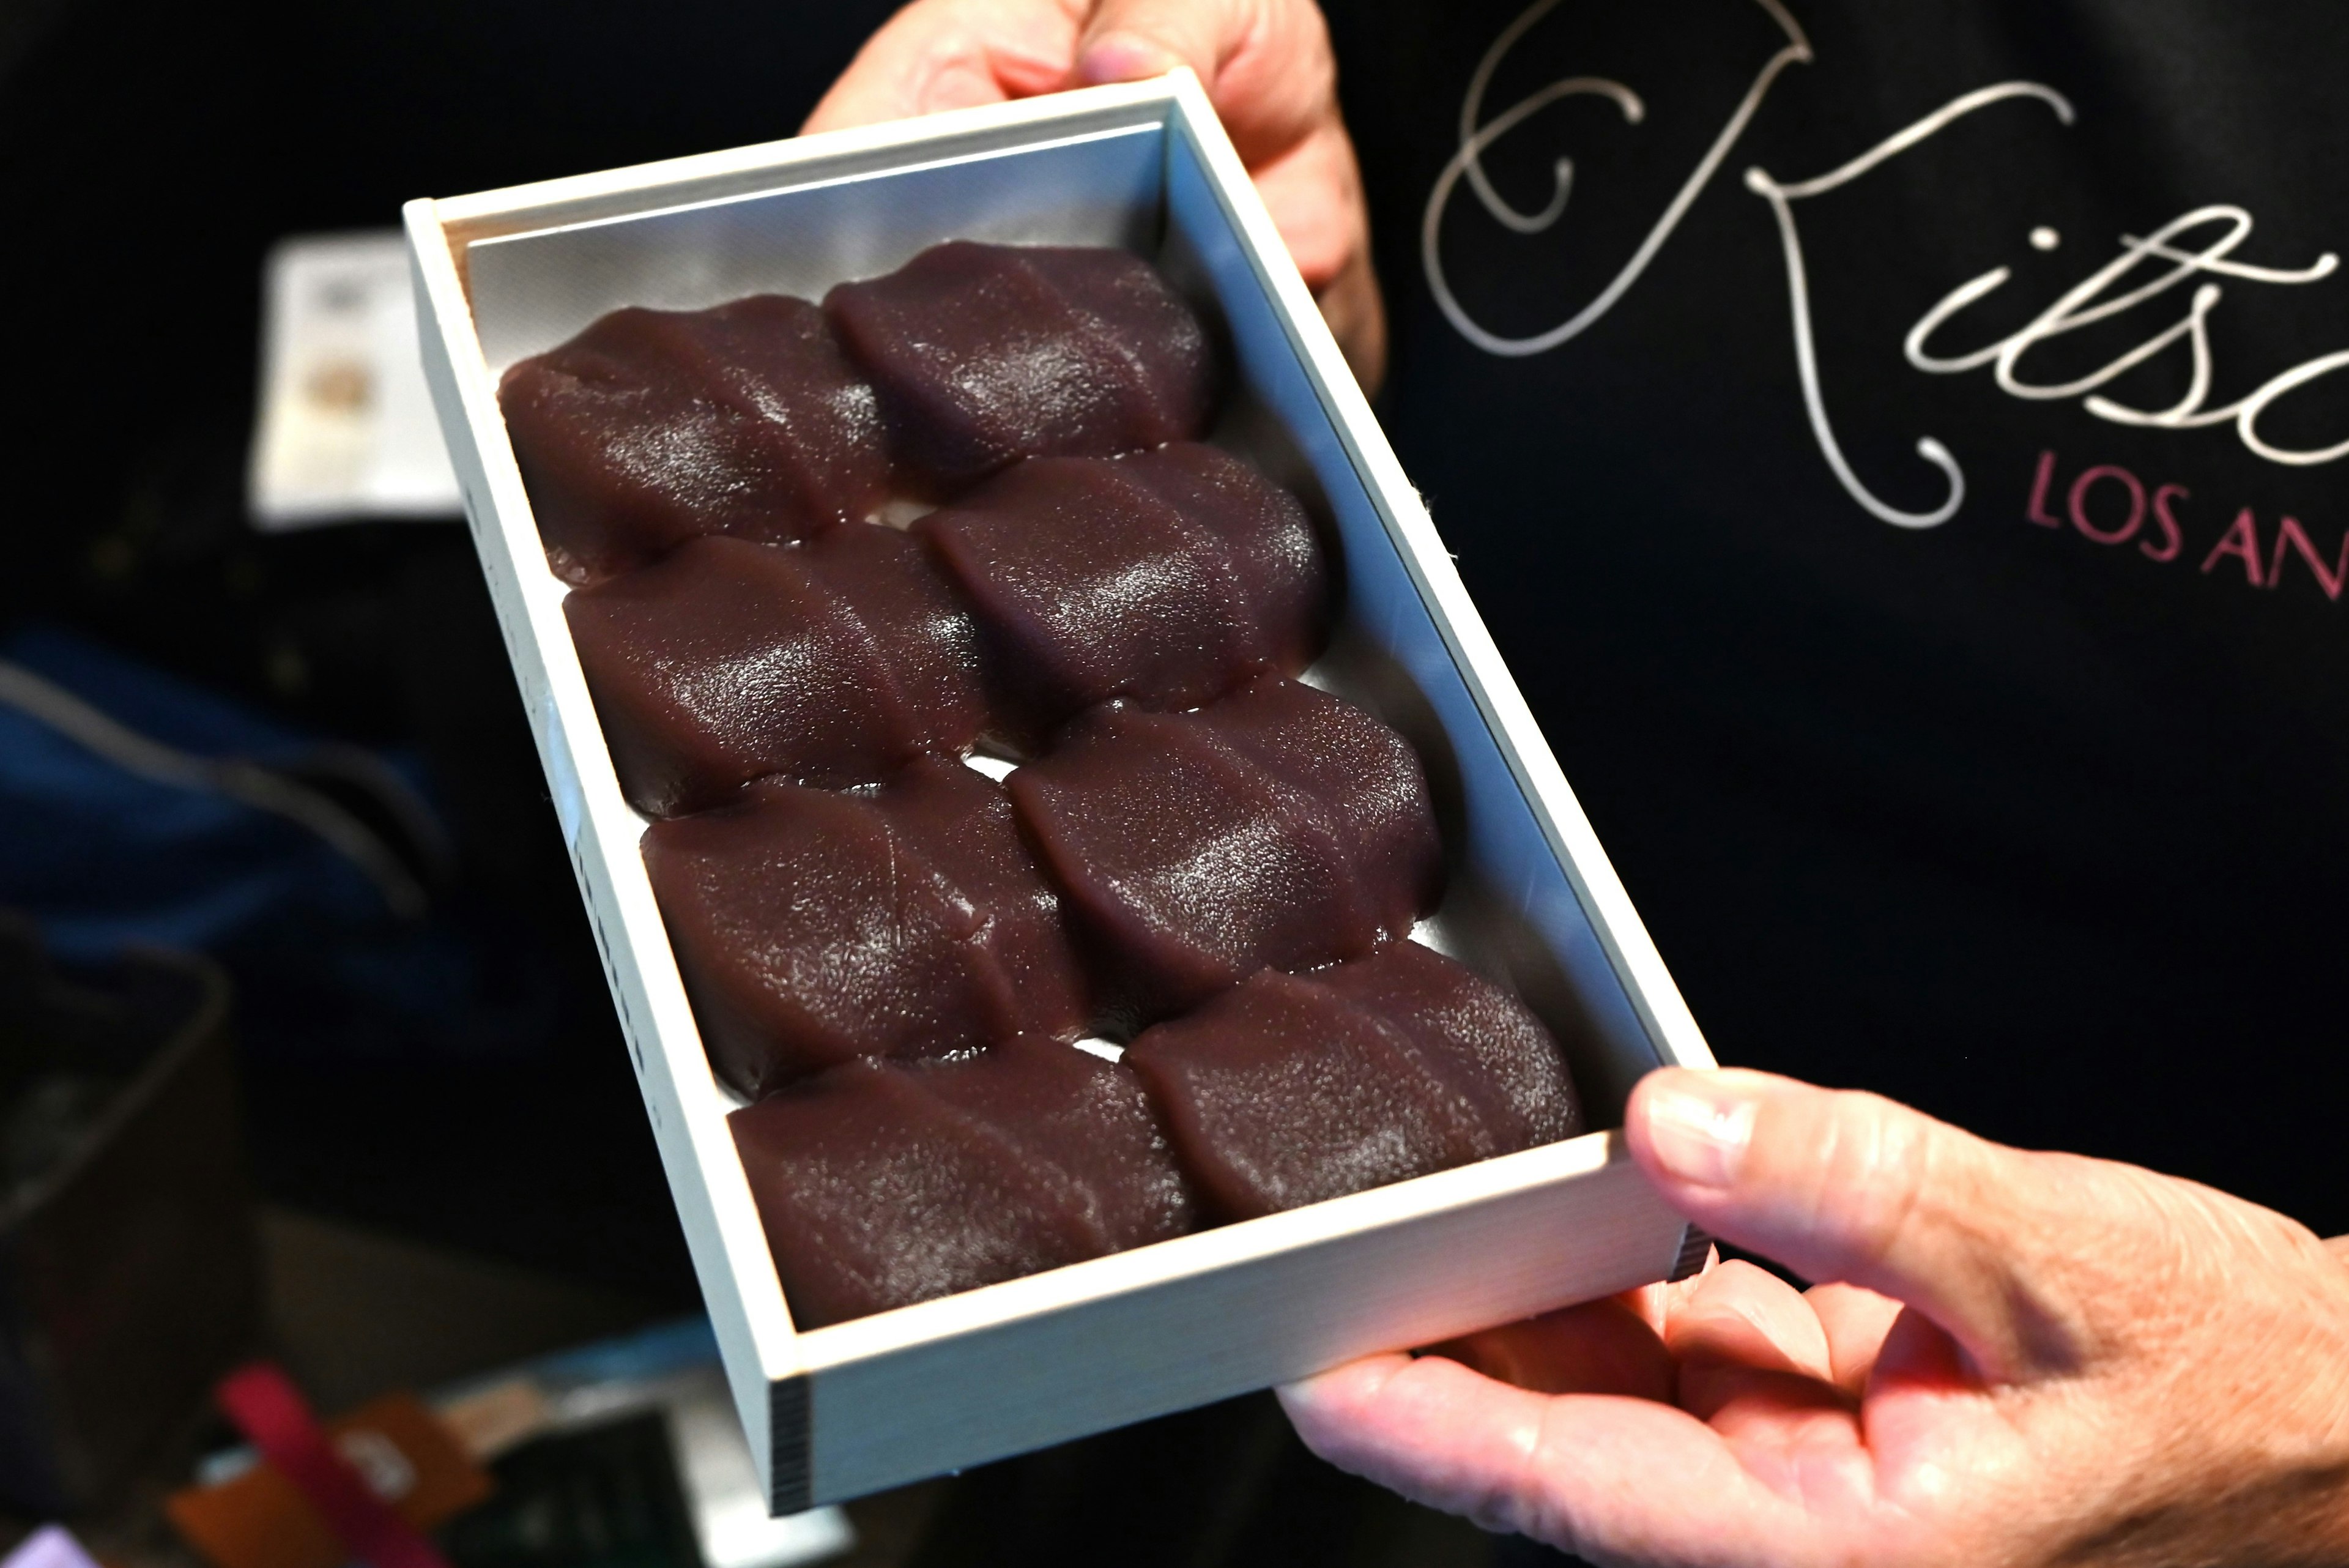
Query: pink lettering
2089	482
2242	540
2330	582
2174	537
2153	521
2037	511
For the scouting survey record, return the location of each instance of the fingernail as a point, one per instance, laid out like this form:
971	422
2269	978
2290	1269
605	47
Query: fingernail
1125	57
1699	1128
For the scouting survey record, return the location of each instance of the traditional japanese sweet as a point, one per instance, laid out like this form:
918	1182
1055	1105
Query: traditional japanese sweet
829	664
652	427
904	919
883	1184
985	354
1164	578
1293	1088
1279	827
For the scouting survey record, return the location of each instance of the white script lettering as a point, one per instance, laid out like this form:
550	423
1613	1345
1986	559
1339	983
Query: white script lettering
2093	299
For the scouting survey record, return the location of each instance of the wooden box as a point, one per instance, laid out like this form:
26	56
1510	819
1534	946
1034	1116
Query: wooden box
893	1398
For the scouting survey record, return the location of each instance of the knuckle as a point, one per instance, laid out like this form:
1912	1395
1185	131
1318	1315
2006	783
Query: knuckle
1879	1165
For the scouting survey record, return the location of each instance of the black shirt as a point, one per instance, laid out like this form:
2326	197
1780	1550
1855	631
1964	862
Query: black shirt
1924	543
2035	824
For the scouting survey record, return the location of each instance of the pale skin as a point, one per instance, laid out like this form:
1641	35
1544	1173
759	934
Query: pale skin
2022	1358
2017	1358
1266	65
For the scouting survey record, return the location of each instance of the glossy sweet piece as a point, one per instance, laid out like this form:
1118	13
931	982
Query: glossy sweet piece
1280	826
906	920
1293	1088
829	664
1164	577
883	1185
984	354
652	427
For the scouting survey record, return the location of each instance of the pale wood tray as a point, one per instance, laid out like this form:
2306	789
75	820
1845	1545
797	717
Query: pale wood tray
866	1405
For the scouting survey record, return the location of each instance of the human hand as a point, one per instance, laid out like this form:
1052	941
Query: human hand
2025	1358
1266	67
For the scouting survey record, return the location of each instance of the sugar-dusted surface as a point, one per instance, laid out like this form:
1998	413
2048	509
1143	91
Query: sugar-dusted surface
985	354
880	1186
1163	578
1409	1062
1278	827
652	427
815	926
829	665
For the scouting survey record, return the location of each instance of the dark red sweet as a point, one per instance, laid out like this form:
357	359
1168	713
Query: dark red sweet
1280	826
1365	773
1293	1088
987	353
652	427
829	664
904	921
883	1185
1164	578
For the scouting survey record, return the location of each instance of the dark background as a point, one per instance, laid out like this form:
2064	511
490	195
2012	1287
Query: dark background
2034	833
1869	851
150	153
1877	843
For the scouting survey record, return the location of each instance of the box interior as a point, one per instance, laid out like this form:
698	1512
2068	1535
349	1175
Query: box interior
1511	911
949	1383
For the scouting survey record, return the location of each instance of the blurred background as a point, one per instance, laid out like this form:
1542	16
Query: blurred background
306	1058
398	1069
304	1051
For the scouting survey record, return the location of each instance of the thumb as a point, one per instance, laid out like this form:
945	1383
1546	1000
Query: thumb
1125	40
1266	64
1852	1188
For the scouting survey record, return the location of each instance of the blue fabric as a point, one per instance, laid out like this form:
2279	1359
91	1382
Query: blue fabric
102	859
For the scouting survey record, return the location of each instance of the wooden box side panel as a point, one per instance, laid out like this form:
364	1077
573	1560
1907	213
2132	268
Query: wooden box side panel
1537	902
682	1098
1173	1343
532	290
708	179
950	1383
1615	976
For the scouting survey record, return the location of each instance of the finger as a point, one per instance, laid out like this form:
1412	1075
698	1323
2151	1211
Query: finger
1599	1348
1751	1316
1746	1338
1314	192
953	54
1657	1303
1604	1477
1651	1304
1266	64
1268	69
1853	1187
1855	1321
